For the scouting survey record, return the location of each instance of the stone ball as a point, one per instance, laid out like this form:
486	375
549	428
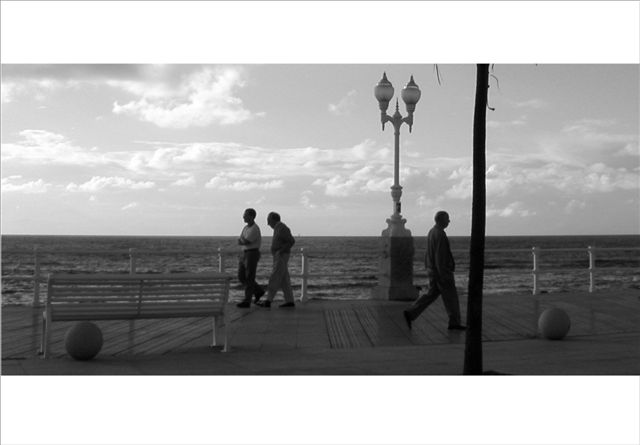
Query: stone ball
554	324
83	341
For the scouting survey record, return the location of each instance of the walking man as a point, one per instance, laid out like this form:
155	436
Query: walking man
281	250
250	240
440	266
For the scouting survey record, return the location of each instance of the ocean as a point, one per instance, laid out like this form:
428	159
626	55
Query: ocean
340	267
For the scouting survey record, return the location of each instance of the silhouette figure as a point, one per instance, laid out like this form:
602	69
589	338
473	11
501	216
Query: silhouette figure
440	267
281	250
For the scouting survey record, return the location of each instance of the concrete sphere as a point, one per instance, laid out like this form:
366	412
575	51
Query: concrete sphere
83	340
554	324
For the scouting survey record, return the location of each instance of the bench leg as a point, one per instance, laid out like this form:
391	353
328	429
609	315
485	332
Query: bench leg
44	327
215	326
224	333
226	343
45	337
220	323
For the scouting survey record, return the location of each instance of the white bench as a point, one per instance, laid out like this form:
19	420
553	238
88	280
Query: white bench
80	297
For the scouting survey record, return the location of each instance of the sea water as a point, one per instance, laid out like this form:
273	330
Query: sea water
340	267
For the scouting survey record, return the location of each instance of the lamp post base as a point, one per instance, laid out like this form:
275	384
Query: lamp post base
395	278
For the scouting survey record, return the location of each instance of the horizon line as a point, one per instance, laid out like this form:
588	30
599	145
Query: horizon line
304	236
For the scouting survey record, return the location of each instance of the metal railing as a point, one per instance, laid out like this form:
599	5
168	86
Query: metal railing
305	274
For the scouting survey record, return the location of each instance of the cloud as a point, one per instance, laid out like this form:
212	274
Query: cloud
253	162
97	183
38	186
574	205
510	174
535	104
429	203
357	179
519	122
345	105
45	147
305	200
187	181
129	206
587	141
203	98
338	186
36	88
515	209
226	182
9	91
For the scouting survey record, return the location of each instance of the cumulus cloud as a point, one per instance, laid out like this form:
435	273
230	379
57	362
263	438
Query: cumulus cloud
231	182
188	181
536	104
515	209
587	141
9	90
338	185
429	202
345	105
36	88
97	183
131	205
519	122
574	205
509	174
357	179
305	200
203	98
37	186
45	147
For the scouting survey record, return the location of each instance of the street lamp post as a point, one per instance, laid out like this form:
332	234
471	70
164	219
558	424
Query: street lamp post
396	266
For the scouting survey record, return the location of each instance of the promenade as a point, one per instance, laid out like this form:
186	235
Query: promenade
348	337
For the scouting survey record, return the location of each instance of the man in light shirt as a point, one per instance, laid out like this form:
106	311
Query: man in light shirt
250	240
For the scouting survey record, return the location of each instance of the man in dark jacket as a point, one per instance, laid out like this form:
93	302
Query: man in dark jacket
440	267
281	250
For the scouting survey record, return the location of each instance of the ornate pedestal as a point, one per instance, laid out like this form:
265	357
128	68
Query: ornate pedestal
395	280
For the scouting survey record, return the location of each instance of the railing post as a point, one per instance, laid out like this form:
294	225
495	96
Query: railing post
132	260
36	277
305	274
534	271
592	267
220	260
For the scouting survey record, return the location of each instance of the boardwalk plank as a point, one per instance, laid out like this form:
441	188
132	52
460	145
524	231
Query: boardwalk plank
329	324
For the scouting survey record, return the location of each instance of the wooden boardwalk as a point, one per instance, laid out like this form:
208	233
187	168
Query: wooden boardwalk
331	325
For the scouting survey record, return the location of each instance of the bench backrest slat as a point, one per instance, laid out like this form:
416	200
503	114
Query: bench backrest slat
107	296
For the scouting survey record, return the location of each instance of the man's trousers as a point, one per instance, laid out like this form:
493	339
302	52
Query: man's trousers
449	298
279	278
247	274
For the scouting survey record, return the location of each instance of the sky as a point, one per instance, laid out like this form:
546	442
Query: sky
183	149
173	126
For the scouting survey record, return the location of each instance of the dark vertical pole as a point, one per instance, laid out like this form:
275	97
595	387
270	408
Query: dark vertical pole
473	343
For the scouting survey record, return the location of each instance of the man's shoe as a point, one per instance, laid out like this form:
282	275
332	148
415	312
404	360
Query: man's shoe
457	327
288	305
407	318
265	304
259	295
244	304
